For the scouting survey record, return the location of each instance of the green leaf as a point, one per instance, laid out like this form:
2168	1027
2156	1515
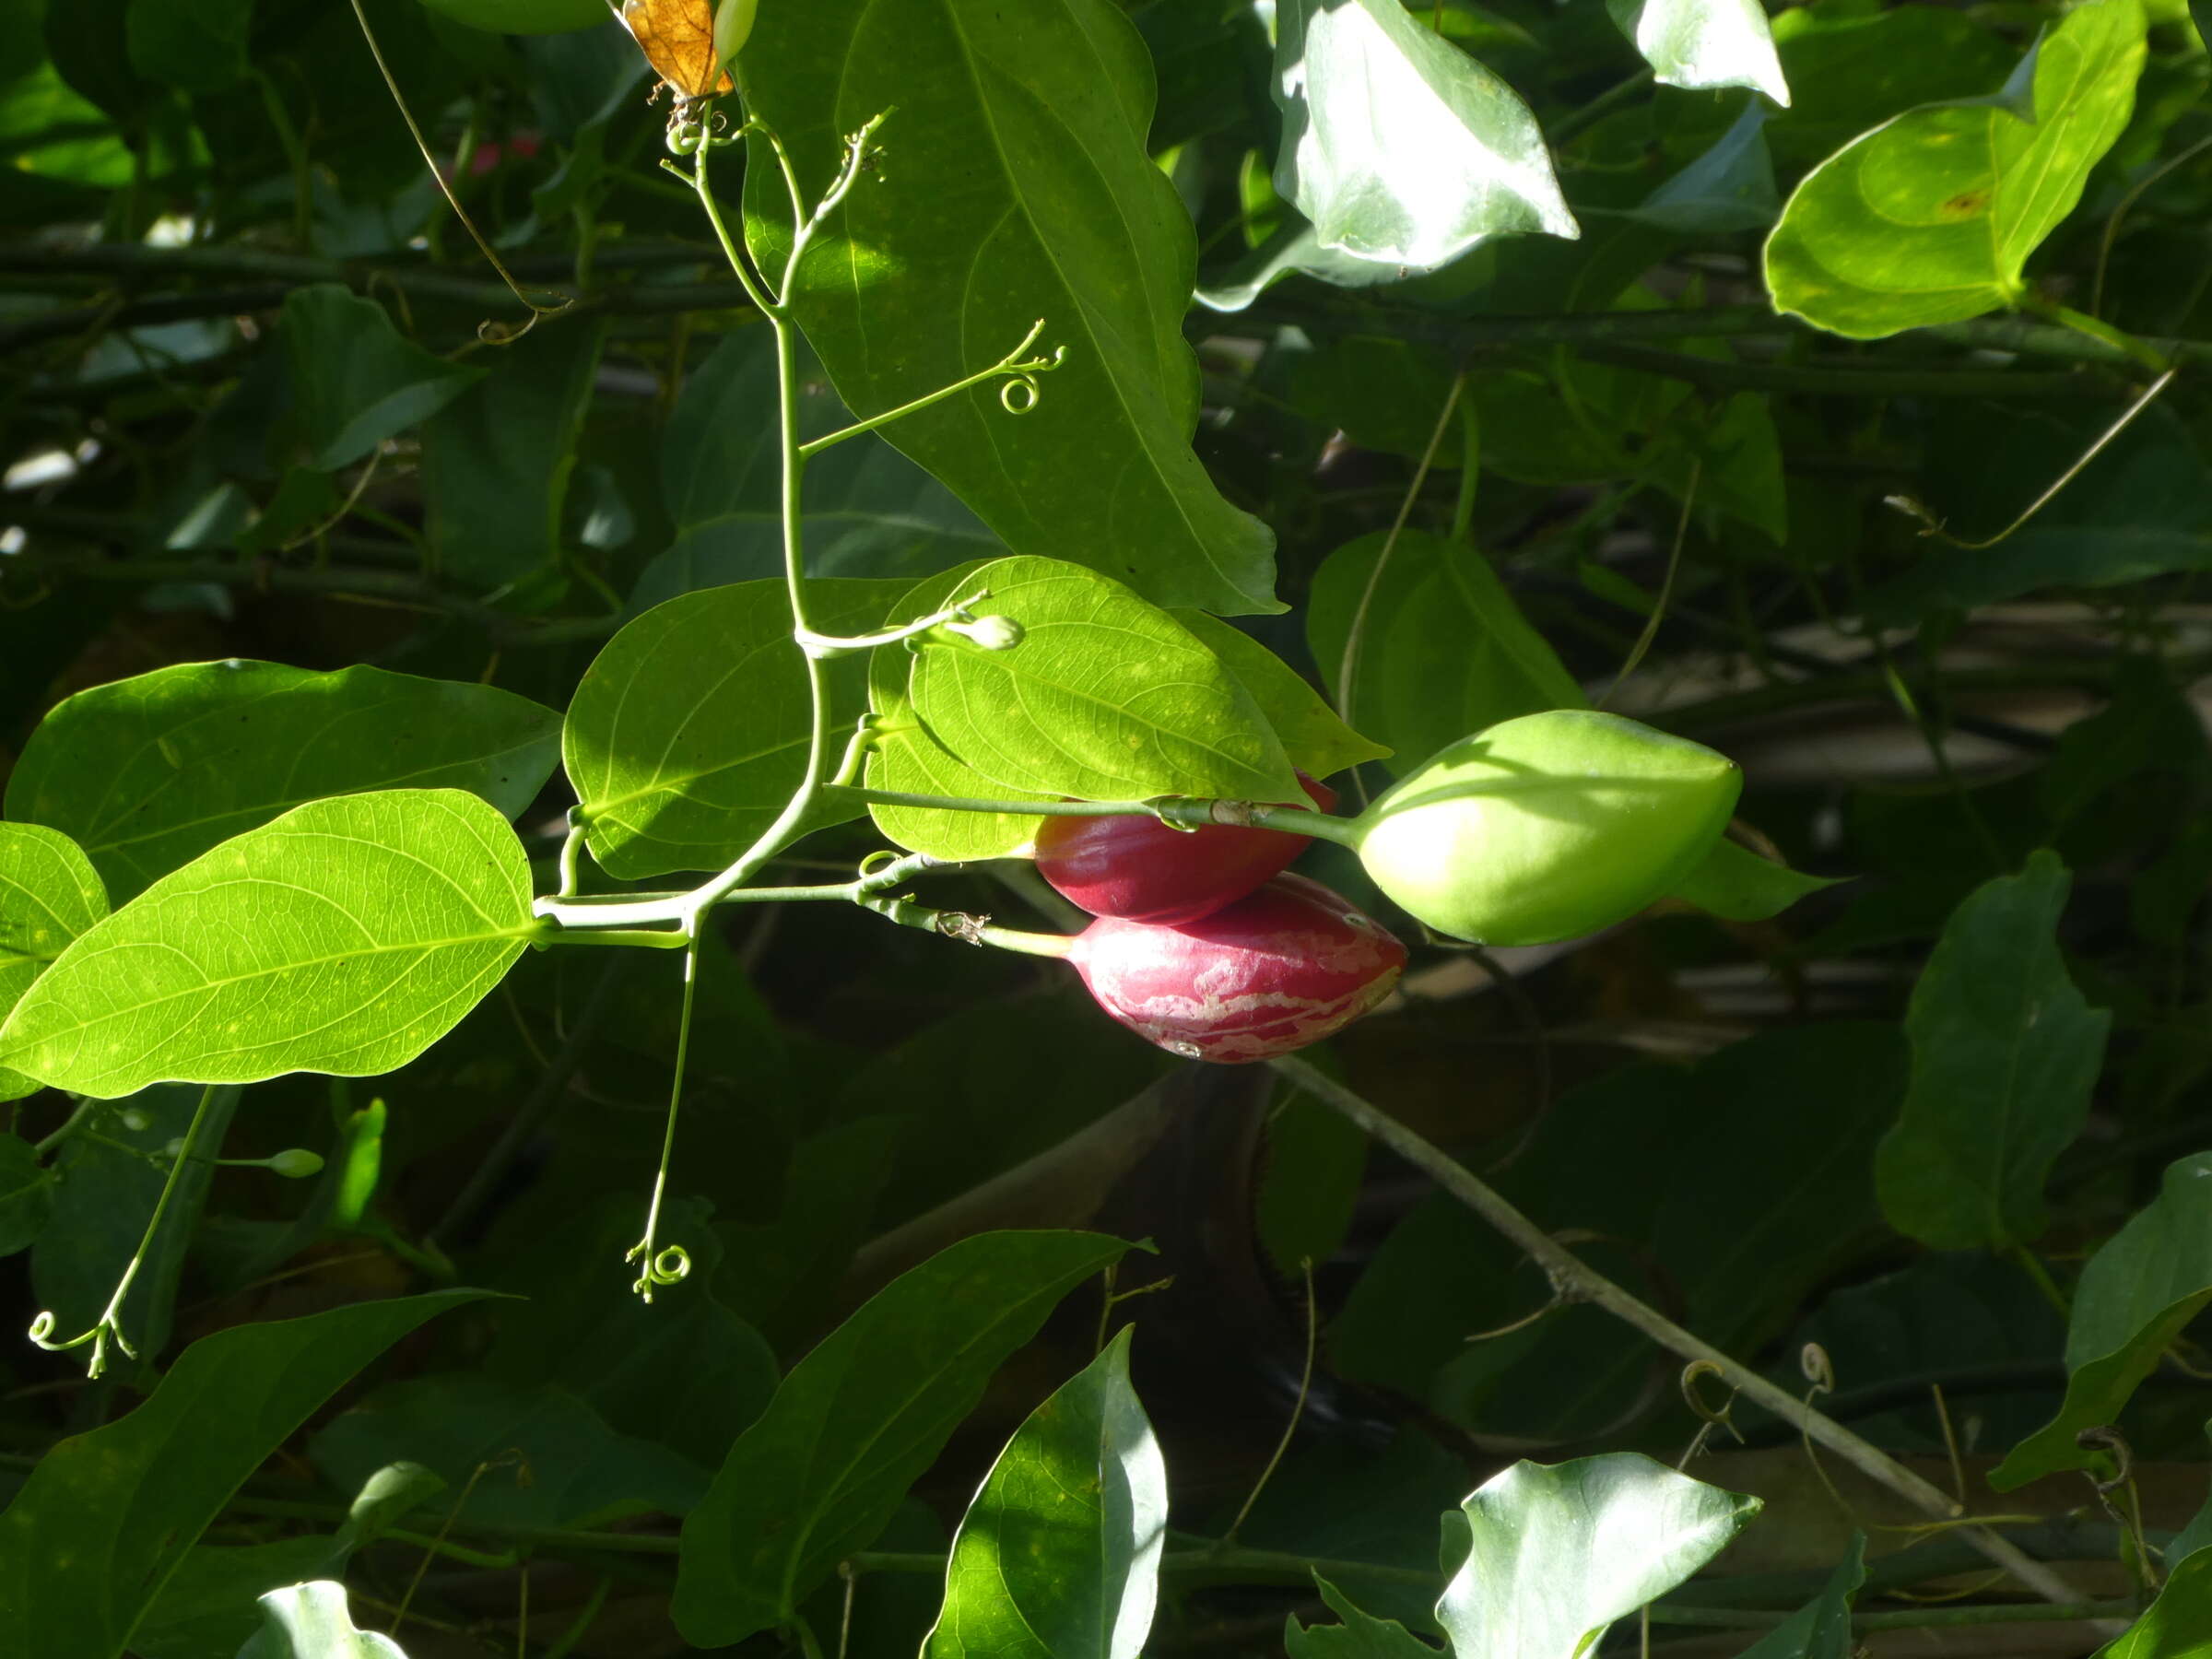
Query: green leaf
2179	1624
2136	1296
48	894
1703	45
2055	555
2006	1052
1058	1556
196	45
906	758
1444	650
1560	1553
107	1517
548	1459
870	512
1105	697
1293	250
313	1621
346	936
1821	1629
1849	71
688	732
1022	189
25	1194
209	1607
1930	217
1729	187
858	1420
1316	741
495	461
355	380
1398	146
1309	1186
149	772
106	1189
1742	887
1360	1635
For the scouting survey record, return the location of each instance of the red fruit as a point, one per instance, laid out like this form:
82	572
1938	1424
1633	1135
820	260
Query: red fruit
1280	968
1140	870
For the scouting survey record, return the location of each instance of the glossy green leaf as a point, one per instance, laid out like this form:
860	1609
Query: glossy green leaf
1402	148
149	772
196	45
870	512
1703	45
346	936
1357	1635
355	380
25	1194
858	1420
495	461
1560	1553
1023	190
1106	697
689	732
1931	217
1058	1556
107	1517
906	758
2179	1624
1294	250
2138	1294
1317	742
1821	1629
2006	1052
548	1459
1740	886
1444	650
107	1183
313	1621
48	894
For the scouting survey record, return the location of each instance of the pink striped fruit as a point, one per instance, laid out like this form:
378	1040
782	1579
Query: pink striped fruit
1140	870
1280	968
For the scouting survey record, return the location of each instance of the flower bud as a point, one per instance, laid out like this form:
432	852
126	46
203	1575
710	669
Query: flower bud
295	1163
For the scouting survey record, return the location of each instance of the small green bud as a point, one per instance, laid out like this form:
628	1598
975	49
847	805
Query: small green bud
733	24
992	633
295	1163
1547	826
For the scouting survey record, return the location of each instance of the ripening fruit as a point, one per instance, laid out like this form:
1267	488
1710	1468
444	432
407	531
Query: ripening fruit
1141	870
1547	826
1283	966
524	16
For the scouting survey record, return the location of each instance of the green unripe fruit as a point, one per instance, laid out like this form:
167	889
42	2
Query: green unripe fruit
1547	826
524	16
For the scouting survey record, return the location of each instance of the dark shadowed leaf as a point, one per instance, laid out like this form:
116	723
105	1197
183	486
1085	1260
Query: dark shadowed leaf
1821	1629
1357	1635
2179	1624
148	773
2005	1054
1058	1556
1560	1553
210	1607
858	1420
382	917
1402	148
25	1194
197	45
2138	1293
1930	217
355	380
107	1517
1022	191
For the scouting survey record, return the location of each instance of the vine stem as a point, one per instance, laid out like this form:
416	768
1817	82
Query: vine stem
1579	1281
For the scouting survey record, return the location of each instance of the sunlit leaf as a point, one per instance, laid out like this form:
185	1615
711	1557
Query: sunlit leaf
1931	217
1058	1556
1742	887
1318	742
346	936
1105	697
313	1621
1017	186
1400	147
2138	1294
48	894
2179	1624
1560	1553
1704	44
149	772
858	1420
107	1517
2005	1055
